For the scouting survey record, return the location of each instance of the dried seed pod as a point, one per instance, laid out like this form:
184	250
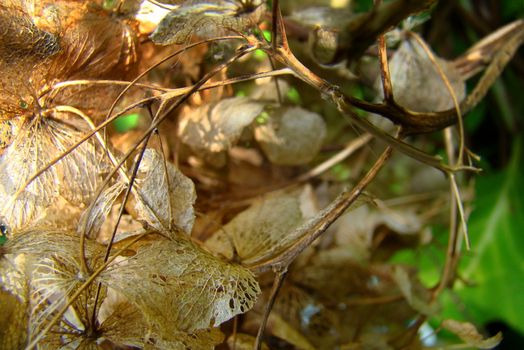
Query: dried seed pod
293	136
417	84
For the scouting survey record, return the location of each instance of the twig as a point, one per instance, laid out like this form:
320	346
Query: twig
280	275
350	148
387	87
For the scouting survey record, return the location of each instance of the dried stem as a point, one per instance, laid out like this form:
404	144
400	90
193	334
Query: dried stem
350	148
277	283
387	87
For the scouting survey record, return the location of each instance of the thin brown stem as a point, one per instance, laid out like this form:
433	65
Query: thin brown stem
350	149
277	283
387	87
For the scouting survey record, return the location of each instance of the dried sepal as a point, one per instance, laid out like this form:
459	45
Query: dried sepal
470	335
417	84
266	228
95	214
292	136
206	19
354	230
54	278
124	325
180	287
47	41
75	177
215	127
164	196
324	24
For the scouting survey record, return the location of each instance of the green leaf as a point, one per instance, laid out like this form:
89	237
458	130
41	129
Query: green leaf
495	265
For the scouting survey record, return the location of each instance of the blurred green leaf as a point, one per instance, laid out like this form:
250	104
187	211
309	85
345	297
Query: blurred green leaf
495	266
294	96
127	122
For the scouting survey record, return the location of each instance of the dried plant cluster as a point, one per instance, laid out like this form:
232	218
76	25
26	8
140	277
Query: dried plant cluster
173	177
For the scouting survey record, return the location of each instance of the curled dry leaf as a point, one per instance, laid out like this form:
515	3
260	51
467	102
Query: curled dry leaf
470	335
75	178
304	321
206	19
283	330
164	196
292	136
215	127
181	287
417	84
265	228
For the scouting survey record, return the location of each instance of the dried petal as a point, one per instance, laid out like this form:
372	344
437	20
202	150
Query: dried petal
75	177
266	227
165	196
216	127
181	287
94	216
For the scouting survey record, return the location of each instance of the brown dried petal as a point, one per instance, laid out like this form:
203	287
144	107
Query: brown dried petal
216	127
165	200
180	287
